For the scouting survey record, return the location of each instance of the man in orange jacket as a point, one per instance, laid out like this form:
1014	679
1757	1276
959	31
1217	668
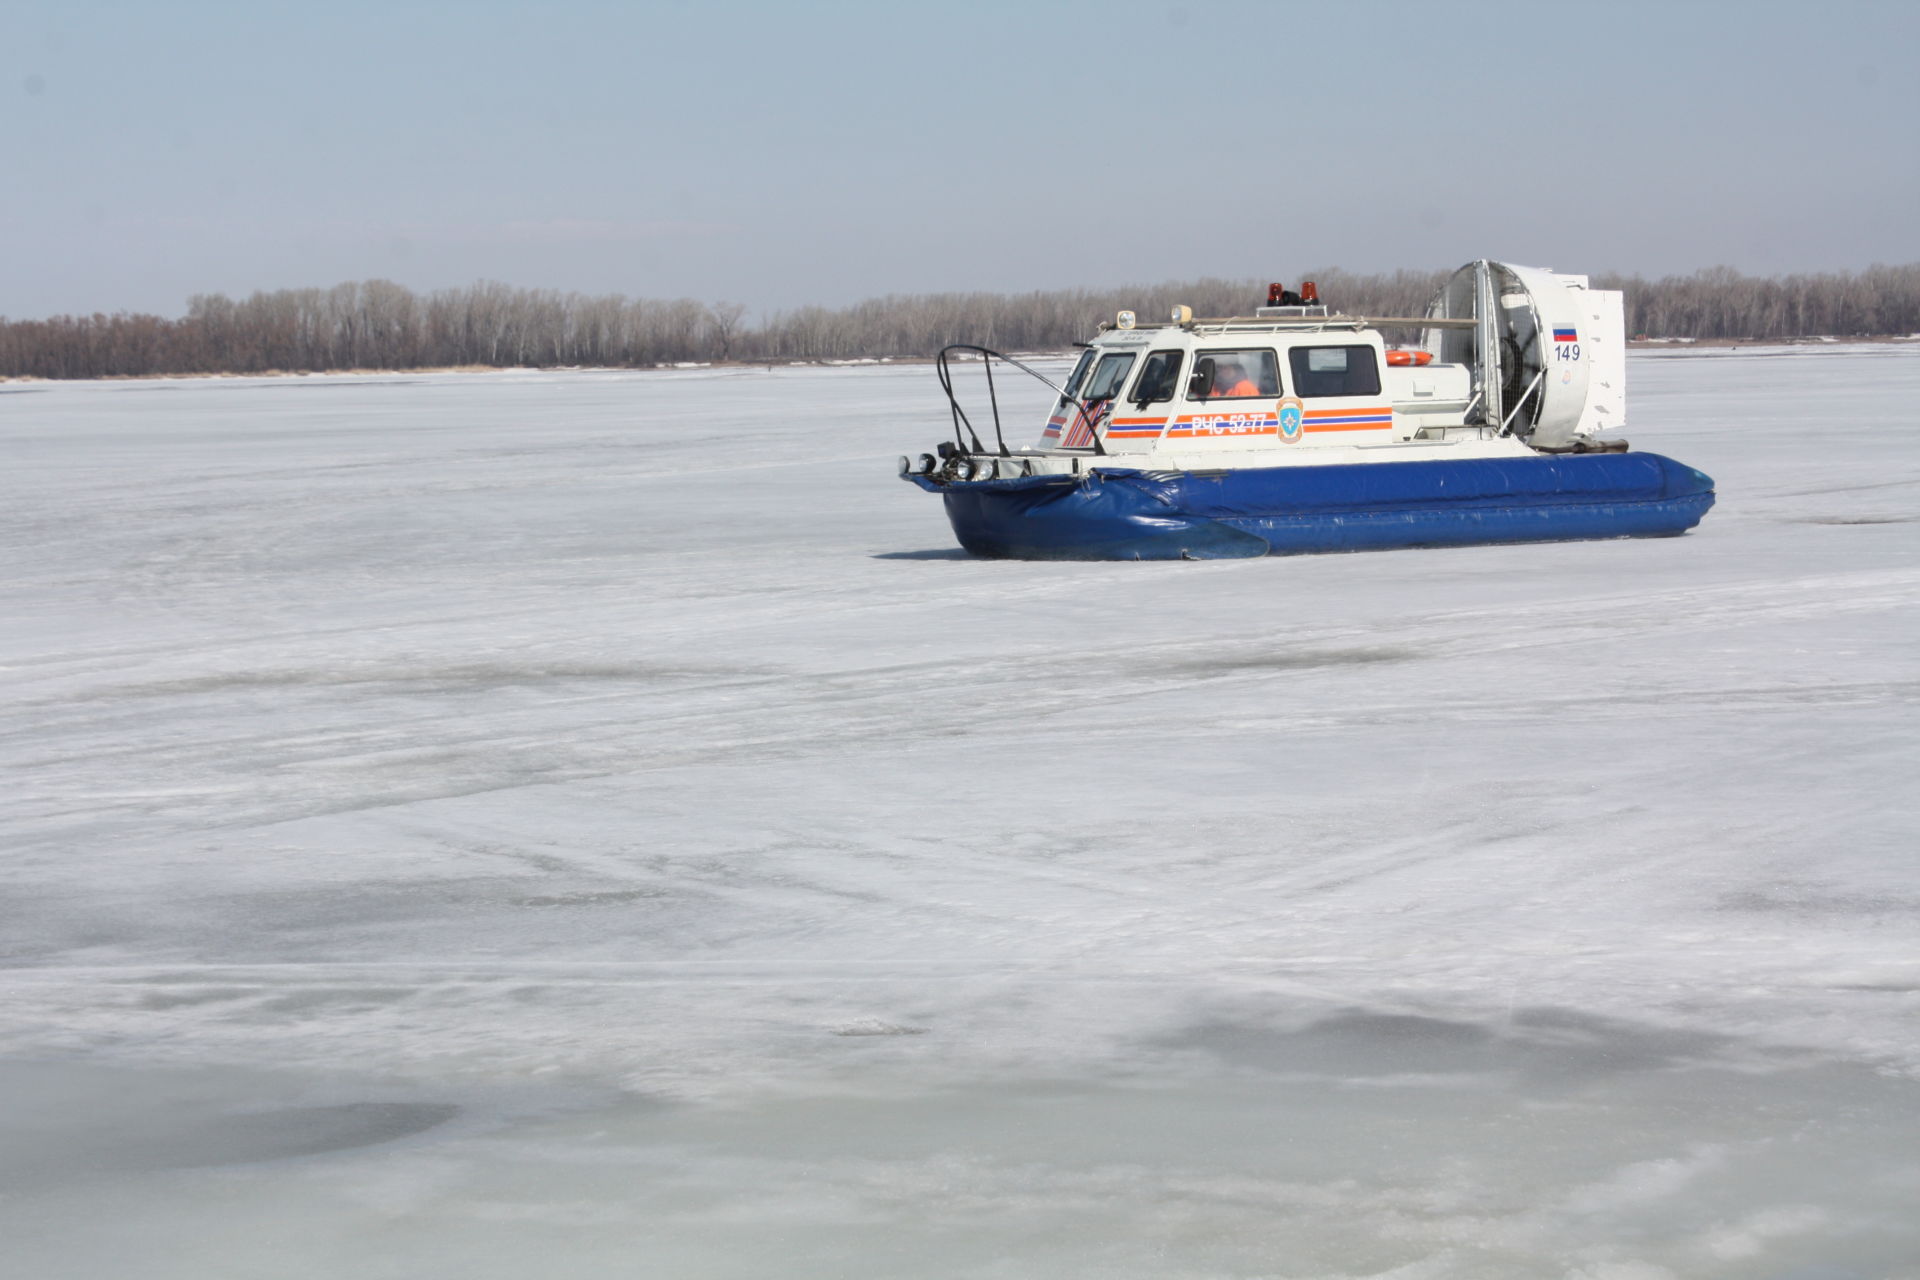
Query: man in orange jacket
1232	381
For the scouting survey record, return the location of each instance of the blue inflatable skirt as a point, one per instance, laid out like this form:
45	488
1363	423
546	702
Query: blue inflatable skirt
1206	515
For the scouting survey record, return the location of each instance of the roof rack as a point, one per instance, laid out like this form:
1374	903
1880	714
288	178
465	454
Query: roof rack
1308	323
1265	323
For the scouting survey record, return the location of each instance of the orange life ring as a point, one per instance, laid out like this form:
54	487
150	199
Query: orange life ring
1415	358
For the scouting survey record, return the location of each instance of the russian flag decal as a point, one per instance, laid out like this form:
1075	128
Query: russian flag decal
1565	335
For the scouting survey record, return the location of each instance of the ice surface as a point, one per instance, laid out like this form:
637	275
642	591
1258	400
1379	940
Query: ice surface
594	824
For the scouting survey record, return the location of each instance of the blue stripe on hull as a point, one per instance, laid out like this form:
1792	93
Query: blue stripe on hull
1134	515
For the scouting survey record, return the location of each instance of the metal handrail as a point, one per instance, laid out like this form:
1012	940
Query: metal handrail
944	371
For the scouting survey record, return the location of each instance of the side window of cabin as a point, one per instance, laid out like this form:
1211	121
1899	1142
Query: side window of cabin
1074	379
1107	377
1159	378
1247	374
1334	371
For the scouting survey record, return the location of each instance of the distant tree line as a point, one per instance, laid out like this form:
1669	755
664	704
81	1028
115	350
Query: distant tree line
1721	303
377	324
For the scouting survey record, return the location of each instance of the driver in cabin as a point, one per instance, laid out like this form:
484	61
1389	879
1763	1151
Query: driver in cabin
1233	381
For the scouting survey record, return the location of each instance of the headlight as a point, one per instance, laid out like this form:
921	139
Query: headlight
927	463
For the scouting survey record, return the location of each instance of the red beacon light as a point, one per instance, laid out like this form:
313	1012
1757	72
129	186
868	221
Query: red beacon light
1278	295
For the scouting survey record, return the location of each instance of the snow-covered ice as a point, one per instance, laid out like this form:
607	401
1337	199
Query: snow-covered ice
593	824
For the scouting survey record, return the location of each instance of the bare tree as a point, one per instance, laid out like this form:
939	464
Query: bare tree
723	318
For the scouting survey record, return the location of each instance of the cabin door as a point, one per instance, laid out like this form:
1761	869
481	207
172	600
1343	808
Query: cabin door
1337	386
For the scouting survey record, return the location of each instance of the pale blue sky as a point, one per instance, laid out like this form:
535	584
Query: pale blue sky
779	154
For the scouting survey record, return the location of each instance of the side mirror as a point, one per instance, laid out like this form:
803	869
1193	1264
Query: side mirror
1200	385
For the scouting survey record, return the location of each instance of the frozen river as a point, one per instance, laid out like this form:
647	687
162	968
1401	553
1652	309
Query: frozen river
592	824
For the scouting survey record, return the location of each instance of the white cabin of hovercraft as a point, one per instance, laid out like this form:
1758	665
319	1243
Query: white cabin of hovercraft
1506	352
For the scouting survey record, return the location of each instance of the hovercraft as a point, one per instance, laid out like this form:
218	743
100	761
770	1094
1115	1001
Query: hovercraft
1299	429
